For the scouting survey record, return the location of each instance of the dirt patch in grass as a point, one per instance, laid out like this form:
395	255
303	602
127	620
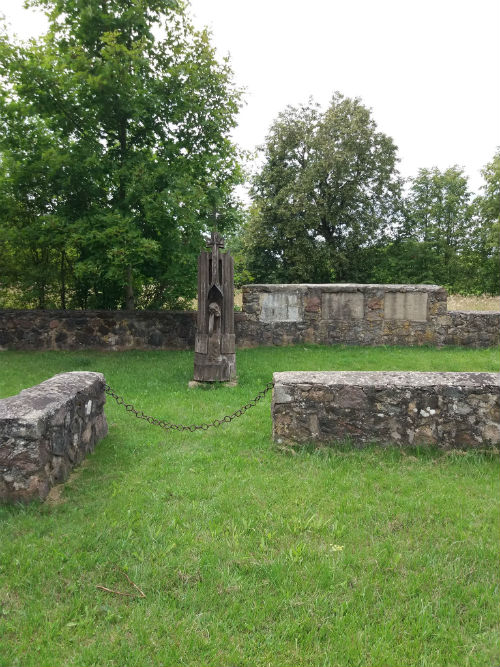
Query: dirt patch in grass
55	495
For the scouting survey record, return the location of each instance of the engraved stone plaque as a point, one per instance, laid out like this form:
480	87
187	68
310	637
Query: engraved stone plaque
410	306
342	305
279	307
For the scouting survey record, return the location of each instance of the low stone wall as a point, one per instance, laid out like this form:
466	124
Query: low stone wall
46	430
473	329
451	410
97	329
272	315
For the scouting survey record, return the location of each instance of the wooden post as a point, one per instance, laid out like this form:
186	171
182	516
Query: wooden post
214	351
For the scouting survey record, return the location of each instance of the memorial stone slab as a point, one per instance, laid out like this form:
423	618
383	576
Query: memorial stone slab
280	307
342	305
411	306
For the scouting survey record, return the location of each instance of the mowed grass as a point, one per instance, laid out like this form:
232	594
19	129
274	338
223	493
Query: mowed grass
249	554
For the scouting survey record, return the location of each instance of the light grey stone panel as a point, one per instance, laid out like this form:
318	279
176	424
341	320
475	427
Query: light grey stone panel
411	306
280	307
342	305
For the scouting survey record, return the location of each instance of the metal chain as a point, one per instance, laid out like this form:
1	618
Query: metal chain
183	427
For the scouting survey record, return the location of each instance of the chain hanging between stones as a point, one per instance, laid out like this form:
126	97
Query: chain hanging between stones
184	427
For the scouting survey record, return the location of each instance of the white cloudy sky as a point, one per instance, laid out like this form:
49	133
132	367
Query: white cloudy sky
429	69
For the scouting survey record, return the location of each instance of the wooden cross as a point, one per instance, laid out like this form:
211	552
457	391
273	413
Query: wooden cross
216	242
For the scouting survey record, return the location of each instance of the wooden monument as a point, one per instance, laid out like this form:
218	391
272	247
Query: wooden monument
214	348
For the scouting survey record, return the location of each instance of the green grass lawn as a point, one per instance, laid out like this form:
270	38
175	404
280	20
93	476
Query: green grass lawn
249	554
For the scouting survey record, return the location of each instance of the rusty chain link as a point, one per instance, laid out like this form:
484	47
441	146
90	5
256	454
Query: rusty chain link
183	427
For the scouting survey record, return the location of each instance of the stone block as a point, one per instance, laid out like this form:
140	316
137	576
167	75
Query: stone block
350	397
282	395
312	304
404	408
46	430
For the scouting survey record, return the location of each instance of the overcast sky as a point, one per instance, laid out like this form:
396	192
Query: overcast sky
429	69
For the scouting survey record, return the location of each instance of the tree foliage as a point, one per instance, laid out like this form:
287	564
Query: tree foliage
486	238
328	188
328	205
488	204
445	238
115	151
439	219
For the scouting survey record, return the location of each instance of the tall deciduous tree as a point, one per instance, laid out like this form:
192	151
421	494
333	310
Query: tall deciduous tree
328	188
34	251
486	237
136	112
439	216
489	201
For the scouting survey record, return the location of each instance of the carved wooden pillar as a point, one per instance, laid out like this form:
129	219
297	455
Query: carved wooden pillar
214	351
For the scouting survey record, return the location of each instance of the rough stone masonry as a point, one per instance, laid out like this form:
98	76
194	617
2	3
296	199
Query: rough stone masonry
350	314
46	430
451	410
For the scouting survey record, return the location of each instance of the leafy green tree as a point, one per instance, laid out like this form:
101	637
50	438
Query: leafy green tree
131	116
447	237
328	188
439	218
485	241
490	200
35	256
449	232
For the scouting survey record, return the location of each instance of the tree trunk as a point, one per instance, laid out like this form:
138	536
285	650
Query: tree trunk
130	301
41	297
122	138
63	281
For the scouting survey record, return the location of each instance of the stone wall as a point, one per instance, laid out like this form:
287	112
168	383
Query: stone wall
473	329
272	315
98	329
344	313
451	410
46	430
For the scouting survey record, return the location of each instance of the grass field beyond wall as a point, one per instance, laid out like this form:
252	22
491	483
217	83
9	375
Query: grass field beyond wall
249	554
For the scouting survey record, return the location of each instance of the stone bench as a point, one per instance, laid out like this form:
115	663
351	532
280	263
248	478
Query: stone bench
451	410
46	430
